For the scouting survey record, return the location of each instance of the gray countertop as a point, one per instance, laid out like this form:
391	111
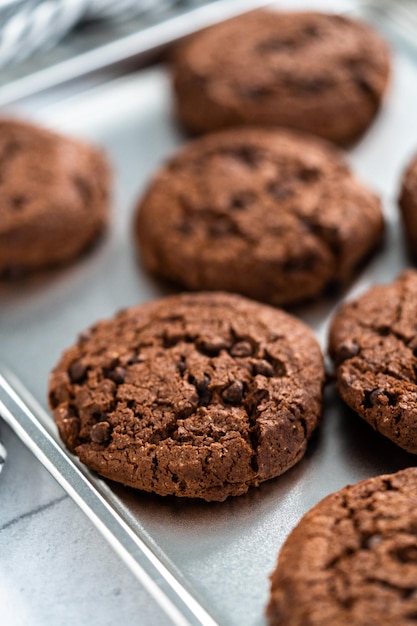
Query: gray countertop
55	568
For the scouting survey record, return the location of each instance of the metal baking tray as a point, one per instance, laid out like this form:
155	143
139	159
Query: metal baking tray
205	563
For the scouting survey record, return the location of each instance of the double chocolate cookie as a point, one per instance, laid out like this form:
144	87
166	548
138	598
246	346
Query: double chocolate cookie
373	342
53	197
325	74
271	214
408	205
199	395
352	559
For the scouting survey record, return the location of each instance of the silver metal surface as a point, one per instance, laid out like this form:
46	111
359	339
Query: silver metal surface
219	553
100	48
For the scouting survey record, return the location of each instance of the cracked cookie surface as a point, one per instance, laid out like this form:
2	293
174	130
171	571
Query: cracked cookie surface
198	395
408	206
273	215
324	74
373	342
352	559
53	198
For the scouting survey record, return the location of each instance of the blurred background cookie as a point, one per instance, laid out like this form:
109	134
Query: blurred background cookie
53	197
270	214
325	74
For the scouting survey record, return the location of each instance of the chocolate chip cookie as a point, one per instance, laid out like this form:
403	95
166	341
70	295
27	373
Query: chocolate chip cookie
198	395
352	559
325	74
53	197
408	205
373	342
271	214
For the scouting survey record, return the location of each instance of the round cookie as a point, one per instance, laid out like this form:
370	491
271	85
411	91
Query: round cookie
408	205
197	395
324	74
352	559
53	197
271	214
373	342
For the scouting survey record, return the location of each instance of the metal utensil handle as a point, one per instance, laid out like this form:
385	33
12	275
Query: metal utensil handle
131	46
173	598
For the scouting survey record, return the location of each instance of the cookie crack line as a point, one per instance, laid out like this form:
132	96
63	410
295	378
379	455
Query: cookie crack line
364	538
232	392
211	396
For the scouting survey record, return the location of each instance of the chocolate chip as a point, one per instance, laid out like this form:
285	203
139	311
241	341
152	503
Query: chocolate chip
309	174
248	155
367	87
117	375
310	85
136	358
18	201
311	30
85	335
221	227
384	331
373	541
279	192
202	387
348	350
376	396
169	341
412	345
233	393
77	371
100	433
130	359
83	188
184	227
242	200
212	346
263	368
302	263
241	349
256	92
406	554
181	367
